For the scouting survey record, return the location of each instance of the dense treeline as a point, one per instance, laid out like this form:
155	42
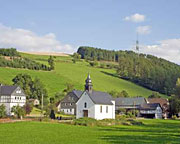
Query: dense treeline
9	52
34	89
146	70
11	58
22	63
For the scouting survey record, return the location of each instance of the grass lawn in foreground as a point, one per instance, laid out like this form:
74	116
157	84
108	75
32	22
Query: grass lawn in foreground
154	131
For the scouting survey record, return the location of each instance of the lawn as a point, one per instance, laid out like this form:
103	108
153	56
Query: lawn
154	131
68	72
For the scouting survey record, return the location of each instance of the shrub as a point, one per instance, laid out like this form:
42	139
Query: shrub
28	107
93	63
102	65
18	111
135	122
85	122
2	111
174	117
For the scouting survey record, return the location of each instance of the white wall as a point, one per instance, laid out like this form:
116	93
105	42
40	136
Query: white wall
68	111
110	114
94	109
80	106
12	102
158	114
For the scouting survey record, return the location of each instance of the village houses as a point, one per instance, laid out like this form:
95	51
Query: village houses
101	105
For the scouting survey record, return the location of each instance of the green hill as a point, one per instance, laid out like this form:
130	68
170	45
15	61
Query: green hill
68	72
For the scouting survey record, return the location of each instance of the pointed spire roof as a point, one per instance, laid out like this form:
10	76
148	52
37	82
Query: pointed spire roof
88	84
88	79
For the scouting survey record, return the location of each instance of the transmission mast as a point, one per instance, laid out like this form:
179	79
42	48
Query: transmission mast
137	45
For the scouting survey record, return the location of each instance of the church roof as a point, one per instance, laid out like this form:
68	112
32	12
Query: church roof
7	90
100	97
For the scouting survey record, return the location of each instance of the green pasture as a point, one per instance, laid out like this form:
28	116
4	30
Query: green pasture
152	132
68	72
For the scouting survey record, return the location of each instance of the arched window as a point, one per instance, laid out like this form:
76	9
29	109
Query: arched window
85	105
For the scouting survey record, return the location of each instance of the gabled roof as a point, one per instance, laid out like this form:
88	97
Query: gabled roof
161	101
122	101
7	90
100	97
150	106
78	93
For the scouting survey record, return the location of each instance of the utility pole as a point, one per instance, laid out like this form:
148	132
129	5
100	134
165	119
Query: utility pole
42	106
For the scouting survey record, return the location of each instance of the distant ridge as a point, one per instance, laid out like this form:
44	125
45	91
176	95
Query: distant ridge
48	53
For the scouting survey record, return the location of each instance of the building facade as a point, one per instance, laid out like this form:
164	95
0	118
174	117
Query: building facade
11	96
95	104
153	110
68	103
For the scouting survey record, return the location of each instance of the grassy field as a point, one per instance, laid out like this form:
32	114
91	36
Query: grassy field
154	131
66	71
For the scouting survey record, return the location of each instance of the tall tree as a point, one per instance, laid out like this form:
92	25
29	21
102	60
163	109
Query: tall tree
51	62
25	82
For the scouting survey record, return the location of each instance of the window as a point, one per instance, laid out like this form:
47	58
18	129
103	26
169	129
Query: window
70	104
106	109
70	110
85	105
100	109
18	91
65	104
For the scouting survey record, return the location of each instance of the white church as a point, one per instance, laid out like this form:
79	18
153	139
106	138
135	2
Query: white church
95	104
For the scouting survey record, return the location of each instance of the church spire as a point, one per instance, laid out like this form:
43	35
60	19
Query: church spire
88	85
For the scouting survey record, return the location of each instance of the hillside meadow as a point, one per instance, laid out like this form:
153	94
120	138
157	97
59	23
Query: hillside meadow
68	72
152	132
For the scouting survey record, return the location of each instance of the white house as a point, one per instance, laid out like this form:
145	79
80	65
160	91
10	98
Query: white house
11	96
95	104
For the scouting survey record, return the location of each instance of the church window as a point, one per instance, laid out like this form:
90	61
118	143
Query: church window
106	109
100	109
85	105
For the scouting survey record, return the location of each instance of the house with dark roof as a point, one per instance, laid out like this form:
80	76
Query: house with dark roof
148	108
95	104
11	96
129	103
101	105
68	103
164	105
151	110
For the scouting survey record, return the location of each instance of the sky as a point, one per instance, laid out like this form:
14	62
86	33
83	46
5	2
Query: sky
64	25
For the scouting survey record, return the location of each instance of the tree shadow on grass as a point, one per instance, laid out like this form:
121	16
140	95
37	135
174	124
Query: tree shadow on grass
110	74
156	134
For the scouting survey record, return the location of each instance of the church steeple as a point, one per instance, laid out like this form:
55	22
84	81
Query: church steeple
88	85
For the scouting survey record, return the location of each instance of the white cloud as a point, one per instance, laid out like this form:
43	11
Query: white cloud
168	49
143	30
26	40
135	18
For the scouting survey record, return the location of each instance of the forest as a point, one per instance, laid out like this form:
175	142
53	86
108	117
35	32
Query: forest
11	58
146	70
